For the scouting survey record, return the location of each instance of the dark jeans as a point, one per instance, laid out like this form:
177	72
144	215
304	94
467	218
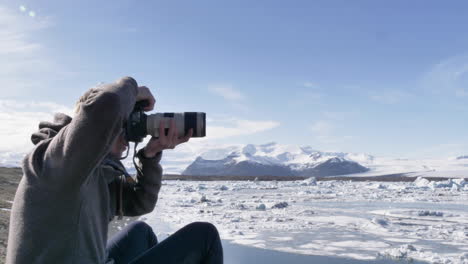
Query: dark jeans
195	243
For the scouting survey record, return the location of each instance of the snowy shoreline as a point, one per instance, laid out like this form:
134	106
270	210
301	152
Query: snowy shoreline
421	220
394	177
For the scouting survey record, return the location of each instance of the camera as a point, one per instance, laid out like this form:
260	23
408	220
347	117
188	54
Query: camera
139	124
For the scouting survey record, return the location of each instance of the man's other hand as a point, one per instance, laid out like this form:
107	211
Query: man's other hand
144	94
169	141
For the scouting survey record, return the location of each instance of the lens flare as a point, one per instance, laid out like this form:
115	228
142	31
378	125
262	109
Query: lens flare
32	13
22	8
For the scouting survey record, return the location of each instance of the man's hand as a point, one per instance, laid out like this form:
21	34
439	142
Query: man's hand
144	94
169	141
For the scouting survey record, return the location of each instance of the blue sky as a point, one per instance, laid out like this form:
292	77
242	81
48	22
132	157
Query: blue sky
379	77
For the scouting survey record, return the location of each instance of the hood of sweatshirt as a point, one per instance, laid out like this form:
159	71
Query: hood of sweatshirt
48	129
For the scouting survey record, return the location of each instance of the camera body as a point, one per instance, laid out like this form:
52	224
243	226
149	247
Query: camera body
139	124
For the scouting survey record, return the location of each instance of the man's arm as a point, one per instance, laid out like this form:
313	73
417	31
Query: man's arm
76	150
141	198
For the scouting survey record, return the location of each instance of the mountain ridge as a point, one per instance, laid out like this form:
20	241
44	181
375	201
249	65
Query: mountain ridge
276	160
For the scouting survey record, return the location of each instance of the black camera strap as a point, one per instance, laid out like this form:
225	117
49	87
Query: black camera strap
133	159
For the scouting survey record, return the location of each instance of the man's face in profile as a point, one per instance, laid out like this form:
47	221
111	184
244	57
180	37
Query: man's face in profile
119	146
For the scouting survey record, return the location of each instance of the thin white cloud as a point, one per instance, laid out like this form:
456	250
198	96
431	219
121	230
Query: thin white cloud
24	65
449	77
237	127
390	96
444	150
321	127
309	85
461	93
324	132
338	116
305	99
227	92
233	97
19	120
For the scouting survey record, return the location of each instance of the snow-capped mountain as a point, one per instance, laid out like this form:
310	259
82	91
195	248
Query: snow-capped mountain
277	160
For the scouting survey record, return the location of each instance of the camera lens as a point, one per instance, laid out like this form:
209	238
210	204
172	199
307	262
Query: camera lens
184	122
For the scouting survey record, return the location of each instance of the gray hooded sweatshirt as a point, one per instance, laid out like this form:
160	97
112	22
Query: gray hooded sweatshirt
71	188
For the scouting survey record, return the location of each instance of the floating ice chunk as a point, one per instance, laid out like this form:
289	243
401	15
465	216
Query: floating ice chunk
455	188
381	186
223	188
460	236
460	182
399	253
453	184
421	182
188	189
408	247
430	213
261	207
235	220
438	259
240	206
307	212
463	257
378	186
379	221
443	184
201	187
280	205
312	181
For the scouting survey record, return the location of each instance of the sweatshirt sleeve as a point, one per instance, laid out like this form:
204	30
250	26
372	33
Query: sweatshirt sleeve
141	198
79	147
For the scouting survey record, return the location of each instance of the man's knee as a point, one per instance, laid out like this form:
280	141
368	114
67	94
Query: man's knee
143	229
139	226
206	228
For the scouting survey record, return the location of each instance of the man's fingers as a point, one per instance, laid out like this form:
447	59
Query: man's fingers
174	130
144	94
162	134
150	107
173	134
187	137
171	139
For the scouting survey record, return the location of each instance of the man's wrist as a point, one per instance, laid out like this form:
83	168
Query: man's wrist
147	154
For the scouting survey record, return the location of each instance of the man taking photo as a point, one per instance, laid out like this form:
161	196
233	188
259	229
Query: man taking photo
74	184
